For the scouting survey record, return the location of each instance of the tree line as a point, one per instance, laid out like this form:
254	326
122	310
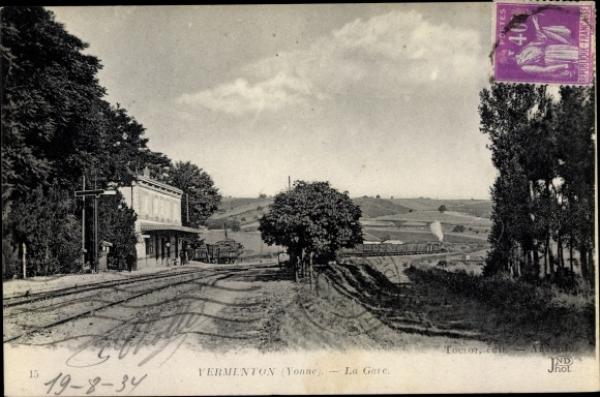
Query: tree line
543	197
57	130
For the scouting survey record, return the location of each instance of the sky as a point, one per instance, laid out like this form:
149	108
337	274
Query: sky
375	98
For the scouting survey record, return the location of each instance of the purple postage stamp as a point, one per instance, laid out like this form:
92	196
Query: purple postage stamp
544	42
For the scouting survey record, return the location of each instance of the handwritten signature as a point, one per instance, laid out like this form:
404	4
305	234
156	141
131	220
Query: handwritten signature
129	339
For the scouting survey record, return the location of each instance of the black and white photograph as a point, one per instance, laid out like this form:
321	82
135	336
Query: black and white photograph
299	198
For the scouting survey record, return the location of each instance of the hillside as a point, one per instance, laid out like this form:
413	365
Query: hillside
247	210
383	219
244	210
479	208
375	207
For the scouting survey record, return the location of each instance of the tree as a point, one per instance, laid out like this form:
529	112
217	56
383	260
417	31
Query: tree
49	92
442	208
458	229
312	221
116	225
56	129
200	196
575	117
543	195
43	224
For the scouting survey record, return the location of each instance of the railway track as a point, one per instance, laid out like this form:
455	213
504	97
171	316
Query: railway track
38	296
165	281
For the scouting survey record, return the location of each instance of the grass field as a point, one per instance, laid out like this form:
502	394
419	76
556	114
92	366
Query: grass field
448	217
513	316
418	236
508	312
480	208
374	207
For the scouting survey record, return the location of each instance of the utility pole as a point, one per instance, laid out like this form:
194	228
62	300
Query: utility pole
24	259
289	183
83	225
96	233
96	193
95	226
187	208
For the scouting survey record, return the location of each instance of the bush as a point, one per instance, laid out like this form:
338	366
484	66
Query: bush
565	280
498	291
458	229
10	259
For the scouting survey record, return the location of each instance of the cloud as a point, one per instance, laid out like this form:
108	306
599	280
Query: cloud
240	96
388	55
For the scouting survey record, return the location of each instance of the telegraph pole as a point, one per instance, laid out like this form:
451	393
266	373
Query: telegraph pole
187	208
96	193
96	233
95	226
83	225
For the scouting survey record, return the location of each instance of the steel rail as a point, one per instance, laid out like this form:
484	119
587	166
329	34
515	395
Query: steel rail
225	272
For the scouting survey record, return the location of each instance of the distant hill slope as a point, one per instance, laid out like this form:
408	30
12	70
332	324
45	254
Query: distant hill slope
480	208
248	210
374	207
242	209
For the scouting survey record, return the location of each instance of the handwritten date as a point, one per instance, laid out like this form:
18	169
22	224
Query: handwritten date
62	382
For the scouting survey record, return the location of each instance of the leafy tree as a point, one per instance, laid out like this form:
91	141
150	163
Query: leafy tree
116	225
506	117
312	220
49	92
442	208
56	128
458	229
543	195
575	132
44	224
201	198
234	225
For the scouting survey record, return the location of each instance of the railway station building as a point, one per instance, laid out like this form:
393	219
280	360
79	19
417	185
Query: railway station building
162	240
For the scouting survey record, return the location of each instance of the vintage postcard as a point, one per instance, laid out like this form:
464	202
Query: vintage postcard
299	199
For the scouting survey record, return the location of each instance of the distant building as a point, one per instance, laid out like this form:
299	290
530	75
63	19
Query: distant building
161	238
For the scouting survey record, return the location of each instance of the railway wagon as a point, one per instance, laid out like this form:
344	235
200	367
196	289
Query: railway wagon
395	249
225	251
